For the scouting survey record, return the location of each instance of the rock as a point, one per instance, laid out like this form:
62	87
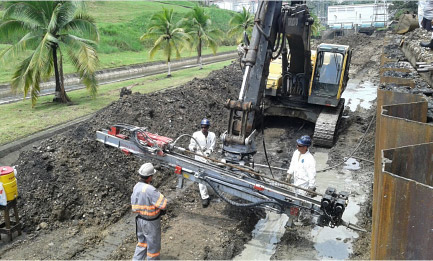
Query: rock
43	225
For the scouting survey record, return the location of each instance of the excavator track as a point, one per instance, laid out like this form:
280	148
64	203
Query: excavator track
325	132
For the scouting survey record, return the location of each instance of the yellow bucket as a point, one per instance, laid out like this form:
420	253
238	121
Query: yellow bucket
7	177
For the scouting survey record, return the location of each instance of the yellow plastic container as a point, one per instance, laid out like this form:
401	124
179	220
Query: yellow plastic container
7	177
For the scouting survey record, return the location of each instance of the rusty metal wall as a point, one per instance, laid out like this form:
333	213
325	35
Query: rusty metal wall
403	193
405	226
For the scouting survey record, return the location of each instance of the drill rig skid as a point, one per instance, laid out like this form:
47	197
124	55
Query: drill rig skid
240	182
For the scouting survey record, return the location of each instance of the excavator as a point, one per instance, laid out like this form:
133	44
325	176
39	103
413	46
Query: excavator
233	176
303	83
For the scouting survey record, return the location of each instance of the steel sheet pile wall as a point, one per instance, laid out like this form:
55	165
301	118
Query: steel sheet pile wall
403	179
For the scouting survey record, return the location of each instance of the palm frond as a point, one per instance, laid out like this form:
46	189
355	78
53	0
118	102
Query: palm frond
176	47
155	48
28	79
240	22
52	25
25	12
12	28
83	55
70	38
84	58
14	50
41	55
34	93
150	35
66	13
84	27
21	78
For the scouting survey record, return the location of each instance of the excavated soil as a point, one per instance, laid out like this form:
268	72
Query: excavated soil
74	192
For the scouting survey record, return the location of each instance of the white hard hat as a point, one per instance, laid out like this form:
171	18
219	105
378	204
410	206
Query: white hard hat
146	170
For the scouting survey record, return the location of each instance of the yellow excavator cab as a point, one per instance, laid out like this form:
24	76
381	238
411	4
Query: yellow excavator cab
313	57
275	77
330	74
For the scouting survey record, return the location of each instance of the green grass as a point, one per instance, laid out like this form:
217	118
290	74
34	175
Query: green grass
20	119
121	23
107	60
126	11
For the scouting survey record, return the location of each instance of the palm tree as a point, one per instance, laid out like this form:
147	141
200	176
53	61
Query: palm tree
50	27
241	25
170	37
198	27
316	27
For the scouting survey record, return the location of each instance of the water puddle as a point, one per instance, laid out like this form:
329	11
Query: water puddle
329	243
336	243
359	94
266	235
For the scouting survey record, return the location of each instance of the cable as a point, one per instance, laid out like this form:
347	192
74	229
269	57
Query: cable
353	152
266	154
263	139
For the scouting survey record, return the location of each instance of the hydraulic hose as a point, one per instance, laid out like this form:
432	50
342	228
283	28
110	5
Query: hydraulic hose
264	145
245	205
357	147
183	135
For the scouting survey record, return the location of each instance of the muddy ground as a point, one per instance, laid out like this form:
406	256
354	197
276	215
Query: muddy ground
74	192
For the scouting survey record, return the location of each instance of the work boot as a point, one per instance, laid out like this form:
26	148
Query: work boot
205	202
429	45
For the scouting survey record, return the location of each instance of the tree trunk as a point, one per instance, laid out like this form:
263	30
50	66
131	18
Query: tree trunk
60	94
62	81
169	67
168	60
199	52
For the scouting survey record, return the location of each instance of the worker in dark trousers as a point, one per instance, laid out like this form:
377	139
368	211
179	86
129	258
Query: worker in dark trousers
426	22
149	204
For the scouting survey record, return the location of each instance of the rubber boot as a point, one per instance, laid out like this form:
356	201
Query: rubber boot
205	202
429	45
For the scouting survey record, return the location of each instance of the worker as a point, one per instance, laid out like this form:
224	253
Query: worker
421	4
303	166
426	22
203	143
149	204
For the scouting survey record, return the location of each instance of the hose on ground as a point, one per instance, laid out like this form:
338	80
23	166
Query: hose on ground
356	148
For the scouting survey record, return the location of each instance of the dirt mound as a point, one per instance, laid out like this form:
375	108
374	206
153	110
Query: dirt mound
73	178
353	40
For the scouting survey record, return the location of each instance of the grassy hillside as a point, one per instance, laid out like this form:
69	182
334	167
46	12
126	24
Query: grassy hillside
121	23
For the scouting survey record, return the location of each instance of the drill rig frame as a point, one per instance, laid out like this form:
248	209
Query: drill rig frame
224	178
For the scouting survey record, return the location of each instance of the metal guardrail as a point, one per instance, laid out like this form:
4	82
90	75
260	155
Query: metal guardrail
403	180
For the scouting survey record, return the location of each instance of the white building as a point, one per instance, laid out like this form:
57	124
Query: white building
237	6
365	15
